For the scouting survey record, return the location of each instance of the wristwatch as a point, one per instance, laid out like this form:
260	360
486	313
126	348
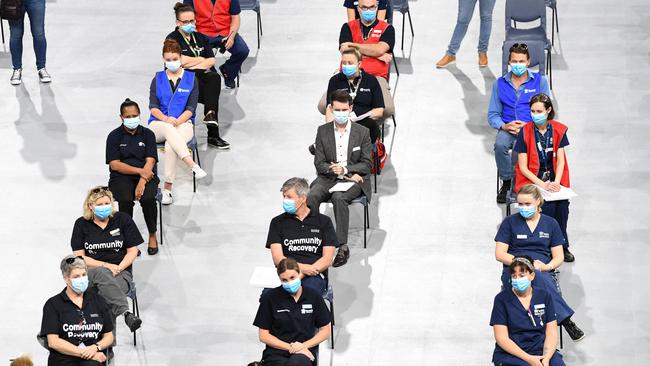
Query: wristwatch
99	349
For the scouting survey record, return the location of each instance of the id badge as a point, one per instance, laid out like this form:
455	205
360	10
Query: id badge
546	176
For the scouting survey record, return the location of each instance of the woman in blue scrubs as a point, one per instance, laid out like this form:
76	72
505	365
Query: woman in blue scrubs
531	233
524	321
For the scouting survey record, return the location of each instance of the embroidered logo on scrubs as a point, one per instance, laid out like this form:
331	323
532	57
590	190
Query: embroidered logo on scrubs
94	315
315	230
530	90
115	232
364	89
540	309
307	309
282	311
141	144
522	236
544	235
181	90
123	145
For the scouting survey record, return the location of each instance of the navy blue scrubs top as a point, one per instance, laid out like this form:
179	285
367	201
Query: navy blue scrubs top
521	241
526	327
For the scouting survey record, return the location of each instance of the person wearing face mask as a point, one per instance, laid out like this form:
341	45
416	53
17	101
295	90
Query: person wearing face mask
353	12
173	96
509	110
531	233
132	158
292	320
364	89
542	160
76	322
524	321
343	154
108	243
198	56
373	38
303	234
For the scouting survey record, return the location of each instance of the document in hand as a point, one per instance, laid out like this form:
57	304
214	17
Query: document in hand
355	118
341	187
564	194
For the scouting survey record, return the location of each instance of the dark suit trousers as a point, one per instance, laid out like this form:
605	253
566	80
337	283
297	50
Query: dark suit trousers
319	193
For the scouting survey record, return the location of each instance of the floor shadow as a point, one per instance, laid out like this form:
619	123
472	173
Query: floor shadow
229	110
250	62
44	134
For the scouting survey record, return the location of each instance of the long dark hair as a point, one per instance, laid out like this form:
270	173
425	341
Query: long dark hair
543	98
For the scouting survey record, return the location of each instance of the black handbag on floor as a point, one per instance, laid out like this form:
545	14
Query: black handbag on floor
11	9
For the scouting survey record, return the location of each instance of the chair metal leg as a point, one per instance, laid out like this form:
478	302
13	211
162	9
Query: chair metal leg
553	27
135	309
394	121
396	68
259	19
160	229
561	340
194	174
557	20
410	23
550	69
507	208
403	24
2	28
367	213
376	167
365	228
258	30
332	323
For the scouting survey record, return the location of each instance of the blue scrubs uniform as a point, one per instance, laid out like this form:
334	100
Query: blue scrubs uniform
526	327
514	232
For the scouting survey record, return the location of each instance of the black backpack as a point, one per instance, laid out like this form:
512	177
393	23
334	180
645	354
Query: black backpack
11	9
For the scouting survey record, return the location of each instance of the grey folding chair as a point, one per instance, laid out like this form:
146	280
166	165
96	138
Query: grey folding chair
403	7
555	23
254	5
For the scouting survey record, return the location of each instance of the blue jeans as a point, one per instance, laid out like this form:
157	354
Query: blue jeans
559	210
35	9
502	146
238	53
465	10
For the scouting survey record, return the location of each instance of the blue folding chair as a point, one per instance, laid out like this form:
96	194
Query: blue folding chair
403	7
254	5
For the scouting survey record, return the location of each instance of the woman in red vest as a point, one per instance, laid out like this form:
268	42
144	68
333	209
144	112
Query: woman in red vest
542	160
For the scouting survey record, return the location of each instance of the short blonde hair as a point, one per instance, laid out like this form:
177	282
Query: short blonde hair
92	197
23	360
532	190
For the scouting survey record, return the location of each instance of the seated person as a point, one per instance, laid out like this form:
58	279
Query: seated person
23	360
540	147
343	154
108	242
198	56
363	88
538	236
509	109
372	37
292	339
219	20
131	155
302	234
353	13
77	321
524	321
173	96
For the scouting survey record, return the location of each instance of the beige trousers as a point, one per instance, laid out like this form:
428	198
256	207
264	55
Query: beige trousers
175	139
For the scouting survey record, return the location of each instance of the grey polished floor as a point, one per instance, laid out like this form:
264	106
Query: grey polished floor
422	292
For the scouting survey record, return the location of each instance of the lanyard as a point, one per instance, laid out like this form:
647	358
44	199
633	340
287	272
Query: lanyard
352	89
365	38
543	143
196	51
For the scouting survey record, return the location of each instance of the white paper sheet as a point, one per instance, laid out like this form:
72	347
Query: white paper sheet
341	187
564	194
264	277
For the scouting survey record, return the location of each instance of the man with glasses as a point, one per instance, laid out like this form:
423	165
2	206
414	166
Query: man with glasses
353	13
509	109
374	38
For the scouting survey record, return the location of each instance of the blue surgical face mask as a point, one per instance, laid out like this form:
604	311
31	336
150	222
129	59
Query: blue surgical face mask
518	69
520	284
188	28
173	65
292	286
79	284
289	206
369	15
341	117
538	118
103	211
527	211
349	70
131	123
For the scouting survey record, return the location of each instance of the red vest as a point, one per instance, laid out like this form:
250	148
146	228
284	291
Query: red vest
212	20
371	65
533	158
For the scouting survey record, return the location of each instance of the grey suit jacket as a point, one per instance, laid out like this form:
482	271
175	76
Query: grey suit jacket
359	155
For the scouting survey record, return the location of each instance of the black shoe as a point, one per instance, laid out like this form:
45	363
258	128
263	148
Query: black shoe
210	119
132	321
574	332
568	256
152	251
219	143
230	82
255	363
342	256
503	192
312	149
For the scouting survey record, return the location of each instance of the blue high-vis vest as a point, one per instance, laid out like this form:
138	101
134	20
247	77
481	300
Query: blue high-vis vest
173	103
515	107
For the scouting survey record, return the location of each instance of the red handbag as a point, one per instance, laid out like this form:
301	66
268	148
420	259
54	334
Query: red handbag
379	156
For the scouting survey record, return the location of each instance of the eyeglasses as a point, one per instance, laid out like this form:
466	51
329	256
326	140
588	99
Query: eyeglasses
186	22
71	260
366	8
519	47
99	189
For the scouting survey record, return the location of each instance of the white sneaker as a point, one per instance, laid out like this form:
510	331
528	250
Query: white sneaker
43	76
198	172
17	77
166	197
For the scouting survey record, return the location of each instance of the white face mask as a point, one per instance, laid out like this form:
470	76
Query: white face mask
173	65
341	117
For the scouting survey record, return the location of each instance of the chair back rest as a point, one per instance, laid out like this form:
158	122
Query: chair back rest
399	5
535	50
322	104
249	4
525	11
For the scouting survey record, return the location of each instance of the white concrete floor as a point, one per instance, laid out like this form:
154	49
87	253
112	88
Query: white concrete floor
422	292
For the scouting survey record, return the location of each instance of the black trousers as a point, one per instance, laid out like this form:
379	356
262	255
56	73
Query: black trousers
58	359
289	360
373	126
123	189
209	92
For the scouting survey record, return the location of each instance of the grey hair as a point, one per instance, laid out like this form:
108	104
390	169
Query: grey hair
299	184
66	267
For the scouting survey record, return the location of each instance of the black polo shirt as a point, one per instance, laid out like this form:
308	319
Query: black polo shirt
302	240
86	325
109	244
367	89
196	46
130	149
388	36
290	320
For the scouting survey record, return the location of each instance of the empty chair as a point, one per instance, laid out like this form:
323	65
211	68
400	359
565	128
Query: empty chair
254	5
403	7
